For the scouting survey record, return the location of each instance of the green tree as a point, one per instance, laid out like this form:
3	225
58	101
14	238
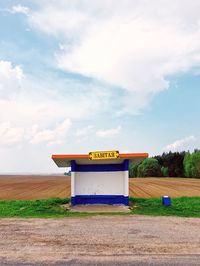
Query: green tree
149	167
192	164
133	170
173	161
164	171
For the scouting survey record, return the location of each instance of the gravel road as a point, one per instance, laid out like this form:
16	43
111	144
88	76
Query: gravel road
100	240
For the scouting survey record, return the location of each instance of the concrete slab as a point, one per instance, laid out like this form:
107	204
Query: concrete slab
100	208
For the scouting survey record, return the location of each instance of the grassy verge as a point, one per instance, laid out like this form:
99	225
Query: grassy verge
48	208
33	208
184	207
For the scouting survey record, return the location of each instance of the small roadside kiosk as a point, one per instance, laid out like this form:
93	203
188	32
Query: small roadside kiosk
99	177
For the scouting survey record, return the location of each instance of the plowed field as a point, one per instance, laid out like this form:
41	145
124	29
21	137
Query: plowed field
41	187
34	187
155	187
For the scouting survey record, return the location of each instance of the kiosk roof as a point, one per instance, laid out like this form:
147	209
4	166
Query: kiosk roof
64	160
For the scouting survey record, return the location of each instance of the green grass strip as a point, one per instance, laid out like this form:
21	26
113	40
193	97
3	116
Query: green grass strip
51	208
183	207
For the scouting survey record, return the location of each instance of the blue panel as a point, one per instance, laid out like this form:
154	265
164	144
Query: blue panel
73	165
99	167
99	199
73	201
126	163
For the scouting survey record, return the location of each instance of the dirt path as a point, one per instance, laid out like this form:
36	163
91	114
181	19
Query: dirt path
100	240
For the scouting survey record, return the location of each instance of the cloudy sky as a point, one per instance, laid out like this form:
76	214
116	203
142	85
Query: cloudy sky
82	75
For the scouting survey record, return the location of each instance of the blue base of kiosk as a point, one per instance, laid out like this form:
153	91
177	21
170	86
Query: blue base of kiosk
99	199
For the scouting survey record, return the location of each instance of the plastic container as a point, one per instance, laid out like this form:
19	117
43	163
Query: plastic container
166	201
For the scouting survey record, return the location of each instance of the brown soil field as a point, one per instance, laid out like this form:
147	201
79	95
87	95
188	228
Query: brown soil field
155	187
33	187
41	187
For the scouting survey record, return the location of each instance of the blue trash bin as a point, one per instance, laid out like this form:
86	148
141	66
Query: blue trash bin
166	201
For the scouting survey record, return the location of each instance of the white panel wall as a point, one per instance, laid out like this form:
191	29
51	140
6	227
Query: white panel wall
126	183
100	183
72	184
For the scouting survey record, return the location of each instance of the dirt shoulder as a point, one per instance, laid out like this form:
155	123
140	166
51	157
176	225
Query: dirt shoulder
100	240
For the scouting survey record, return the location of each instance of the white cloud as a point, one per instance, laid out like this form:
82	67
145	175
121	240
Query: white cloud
34	108
83	134
38	102
181	144
134	45
10	135
84	131
8	71
51	136
20	9
108	133
29	100
10	79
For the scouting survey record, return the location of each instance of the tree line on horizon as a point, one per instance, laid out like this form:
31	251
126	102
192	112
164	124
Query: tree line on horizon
171	164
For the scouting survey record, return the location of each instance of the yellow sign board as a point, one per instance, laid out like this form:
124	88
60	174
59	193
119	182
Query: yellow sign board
103	155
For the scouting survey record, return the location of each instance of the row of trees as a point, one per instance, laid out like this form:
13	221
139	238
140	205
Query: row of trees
172	164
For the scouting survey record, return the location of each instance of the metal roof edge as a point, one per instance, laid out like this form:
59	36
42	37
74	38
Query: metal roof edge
86	156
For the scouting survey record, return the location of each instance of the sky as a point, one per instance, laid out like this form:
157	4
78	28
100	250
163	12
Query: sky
81	75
